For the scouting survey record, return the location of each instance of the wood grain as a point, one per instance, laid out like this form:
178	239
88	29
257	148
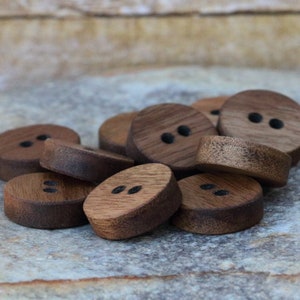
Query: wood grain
268	111
21	148
133	201
82	162
114	131
46	200
234	155
155	136
219	203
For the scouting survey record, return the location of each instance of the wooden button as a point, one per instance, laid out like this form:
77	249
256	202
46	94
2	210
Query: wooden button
46	200
219	203
233	155
133	201
113	132
210	107
263	117
20	148
82	162
168	134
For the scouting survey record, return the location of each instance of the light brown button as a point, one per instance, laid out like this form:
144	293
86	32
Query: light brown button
233	155
46	200
20	148
133	201
219	203
113	132
168	134
263	117
82	162
210	107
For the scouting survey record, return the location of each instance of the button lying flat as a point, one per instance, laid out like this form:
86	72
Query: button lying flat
219	203
20	148
133	201
81	162
46	200
263	117
233	155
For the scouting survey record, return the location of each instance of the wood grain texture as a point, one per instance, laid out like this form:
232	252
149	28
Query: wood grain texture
21	148
234	155
133	201
113	133
263	117
219	203
168	133
46	200
82	162
210	107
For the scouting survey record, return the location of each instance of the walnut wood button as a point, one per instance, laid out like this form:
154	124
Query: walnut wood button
82	162
133	201
20	148
263	117
210	107
168	133
219	203
46	200
113	132
233	155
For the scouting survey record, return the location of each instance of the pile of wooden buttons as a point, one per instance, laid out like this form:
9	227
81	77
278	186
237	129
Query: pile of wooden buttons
167	161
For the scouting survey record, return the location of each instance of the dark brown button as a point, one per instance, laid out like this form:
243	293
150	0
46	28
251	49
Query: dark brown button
113	132
133	201
82	162
46	200
219	203
263	117
21	148
233	155
169	134
210	107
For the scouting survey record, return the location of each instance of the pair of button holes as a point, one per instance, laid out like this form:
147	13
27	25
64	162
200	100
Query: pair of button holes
255	117
210	186
51	184
41	137
169	138
119	189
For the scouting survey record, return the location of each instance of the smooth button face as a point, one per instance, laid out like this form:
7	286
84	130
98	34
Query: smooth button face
21	148
133	201
82	162
218	203
210	107
46	200
113	132
263	117
233	155
169	134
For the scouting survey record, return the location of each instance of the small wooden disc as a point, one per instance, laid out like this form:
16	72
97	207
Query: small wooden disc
233	155
82	162
21	148
218	203
113	132
263	117
46	200
133	201
168	133
210	107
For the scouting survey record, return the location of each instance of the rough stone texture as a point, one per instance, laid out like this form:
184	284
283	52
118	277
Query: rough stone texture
260	263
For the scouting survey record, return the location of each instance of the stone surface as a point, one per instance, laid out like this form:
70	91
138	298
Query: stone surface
260	263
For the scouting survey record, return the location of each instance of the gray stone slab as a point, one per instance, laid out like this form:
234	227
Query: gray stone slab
262	262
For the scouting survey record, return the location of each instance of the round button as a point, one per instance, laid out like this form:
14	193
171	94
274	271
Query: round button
46	200
133	201
168	134
21	148
218	203
263	117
